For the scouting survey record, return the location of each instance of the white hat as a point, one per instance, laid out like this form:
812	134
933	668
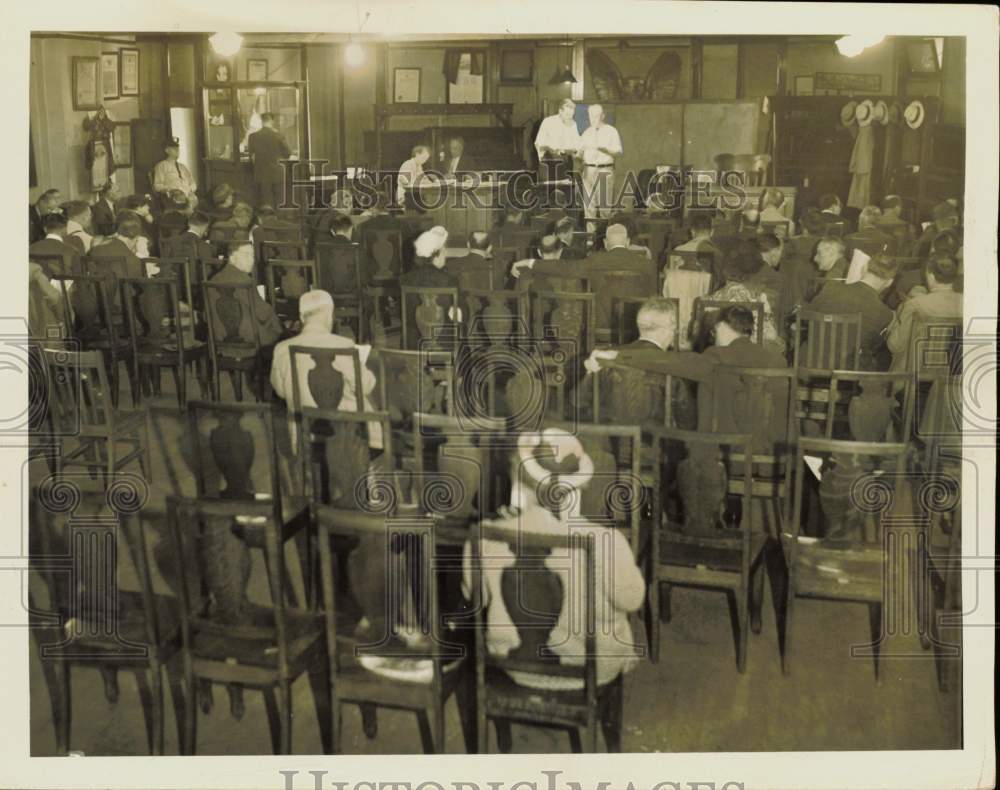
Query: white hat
847	113
914	114
865	112
430	242
881	113
560	450
314	301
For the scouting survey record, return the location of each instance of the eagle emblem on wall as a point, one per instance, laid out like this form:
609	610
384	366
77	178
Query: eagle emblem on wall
659	84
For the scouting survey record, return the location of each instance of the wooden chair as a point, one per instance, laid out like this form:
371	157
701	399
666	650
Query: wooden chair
285	281
338	271
383	250
702	326
164	335
848	564
827	341
74	531
270	249
54	264
376	667
268	649
430	319
225	313
90	309
851	404
520	239
226	239
83	410
625	313
657	231
563	322
586	706
836	228
712	546
178	269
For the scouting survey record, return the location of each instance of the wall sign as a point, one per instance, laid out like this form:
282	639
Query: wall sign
129	71
862	83
110	76
406	85
86	83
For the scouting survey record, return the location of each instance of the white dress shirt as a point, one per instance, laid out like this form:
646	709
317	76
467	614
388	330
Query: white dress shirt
74	228
557	135
169	175
595	137
409	173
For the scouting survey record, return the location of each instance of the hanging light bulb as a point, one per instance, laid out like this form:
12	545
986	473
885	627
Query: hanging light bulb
854	44
354	54
226	44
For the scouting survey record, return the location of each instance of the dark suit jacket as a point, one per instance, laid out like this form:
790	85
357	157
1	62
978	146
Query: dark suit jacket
829	216
69	253
571	254
426	275
103	218
595	268
172	223
115	248
465	164
35	229
268	321
471	271
266	148
841	299
189	245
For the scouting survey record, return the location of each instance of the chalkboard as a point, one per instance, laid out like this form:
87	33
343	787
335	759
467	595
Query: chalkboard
651	135
719	128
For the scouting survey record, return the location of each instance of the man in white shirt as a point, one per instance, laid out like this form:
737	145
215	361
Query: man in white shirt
601	143
77	222
171	174
411	172
557	141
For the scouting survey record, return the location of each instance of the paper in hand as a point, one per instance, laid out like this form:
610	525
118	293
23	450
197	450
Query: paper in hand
858	267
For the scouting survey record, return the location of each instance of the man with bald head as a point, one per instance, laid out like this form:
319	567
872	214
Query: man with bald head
601	144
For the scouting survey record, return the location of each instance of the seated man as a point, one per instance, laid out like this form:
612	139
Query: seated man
237	226
339	230
868	238
141	206
710	257
316	311
473	270
191	244
563	231
944	216
177	209
526	278
238	271
769	279
104	213
47	202
119	251
223	199
741	265
772	205
864	297
513	599
53	243
170	174
78	218
831	258
939	300
831	211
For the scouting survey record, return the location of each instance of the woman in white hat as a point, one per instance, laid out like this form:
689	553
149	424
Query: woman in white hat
428	263
549	471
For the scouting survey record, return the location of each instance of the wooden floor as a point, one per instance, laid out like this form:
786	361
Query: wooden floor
693	700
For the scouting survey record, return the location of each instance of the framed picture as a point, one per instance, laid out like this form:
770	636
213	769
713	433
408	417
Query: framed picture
406	85
922	57
129	67
517	66
219	70
257	70
110	76
804	85
121	143
86	83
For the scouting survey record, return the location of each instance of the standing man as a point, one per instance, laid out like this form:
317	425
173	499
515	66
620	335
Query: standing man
601	143
557	142
170	174
267	148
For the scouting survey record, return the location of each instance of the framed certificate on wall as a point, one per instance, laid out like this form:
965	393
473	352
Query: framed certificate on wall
86	83
121	143
110	76
129	71
406	85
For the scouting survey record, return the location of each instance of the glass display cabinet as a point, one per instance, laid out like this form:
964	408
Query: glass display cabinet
232	113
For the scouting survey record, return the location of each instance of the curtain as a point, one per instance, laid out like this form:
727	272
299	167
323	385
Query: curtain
452	58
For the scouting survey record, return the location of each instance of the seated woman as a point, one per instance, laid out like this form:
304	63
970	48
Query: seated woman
518	589
741	265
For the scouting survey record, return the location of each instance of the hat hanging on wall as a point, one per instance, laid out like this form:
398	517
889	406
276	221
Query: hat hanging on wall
914	114
895	113
864	113
847	113
881	112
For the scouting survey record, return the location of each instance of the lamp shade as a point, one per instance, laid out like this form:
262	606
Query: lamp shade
561	76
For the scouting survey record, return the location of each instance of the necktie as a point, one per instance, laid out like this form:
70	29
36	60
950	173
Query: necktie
180	175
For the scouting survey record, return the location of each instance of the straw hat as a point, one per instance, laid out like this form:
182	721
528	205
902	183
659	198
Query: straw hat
864	113
881	114
847	113
914	114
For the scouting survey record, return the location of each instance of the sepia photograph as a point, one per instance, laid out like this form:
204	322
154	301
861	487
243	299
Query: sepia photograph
462	386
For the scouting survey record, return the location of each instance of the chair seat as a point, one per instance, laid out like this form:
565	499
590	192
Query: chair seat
839	569
124	422
131	628
509	700
254	643
168	351
721	553
236	351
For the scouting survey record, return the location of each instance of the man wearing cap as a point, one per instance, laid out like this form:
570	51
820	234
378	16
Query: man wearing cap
475	268
238	272
170	174
267	148
316	309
